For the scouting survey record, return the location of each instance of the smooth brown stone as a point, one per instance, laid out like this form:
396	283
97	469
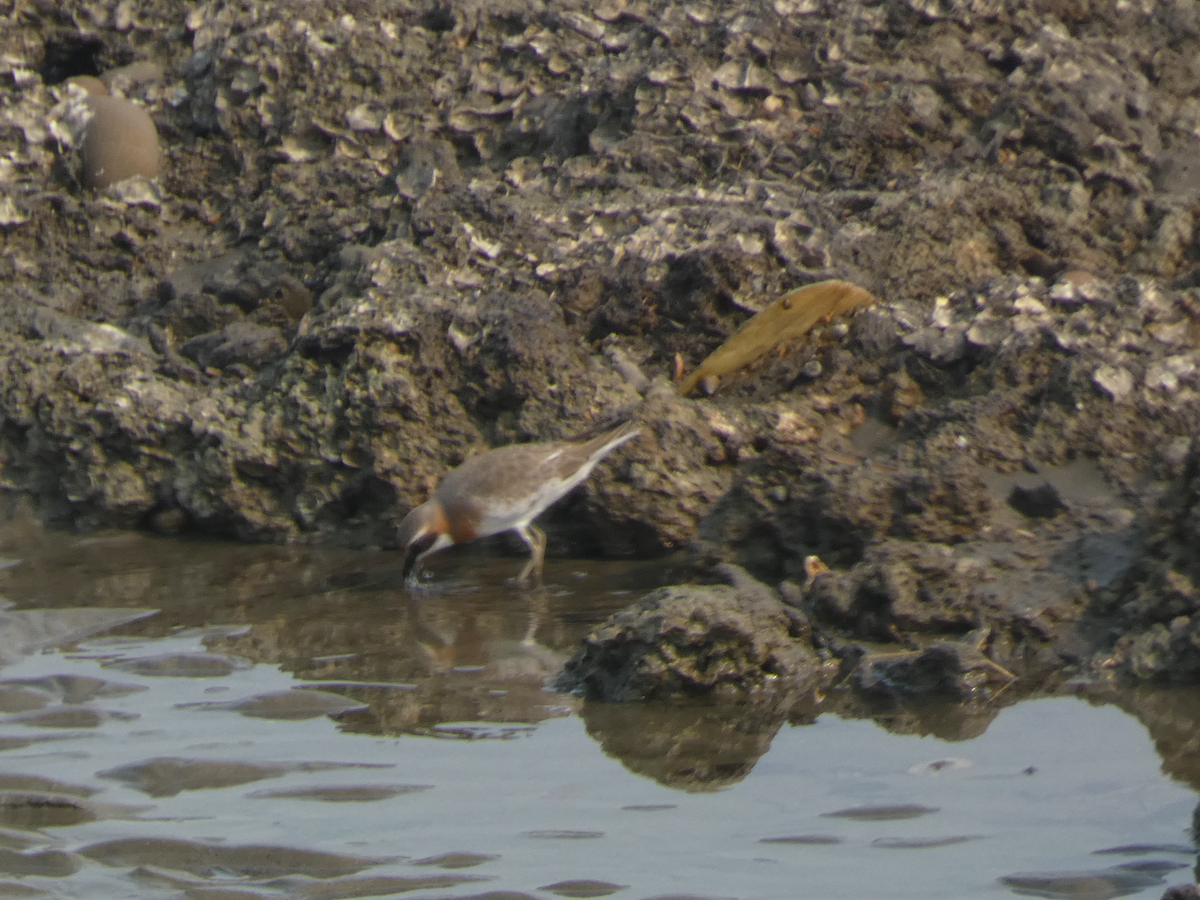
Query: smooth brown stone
121	141
141	72
90	83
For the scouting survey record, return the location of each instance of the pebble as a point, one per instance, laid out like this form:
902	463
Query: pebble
1030	305
121	141
90	83
1114	381
988	331
1160	378
10	215
291	296
126	78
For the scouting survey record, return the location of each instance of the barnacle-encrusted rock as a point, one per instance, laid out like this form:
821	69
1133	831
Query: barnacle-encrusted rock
694	641
945	670
1156	605
241	342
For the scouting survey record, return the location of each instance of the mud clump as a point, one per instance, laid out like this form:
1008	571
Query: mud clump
695	641
900	588
943	671
1154	611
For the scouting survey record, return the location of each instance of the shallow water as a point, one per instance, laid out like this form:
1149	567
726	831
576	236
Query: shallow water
291	724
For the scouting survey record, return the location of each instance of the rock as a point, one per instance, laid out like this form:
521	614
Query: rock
1115	381
1040	502
120	142
68	331
945	670
988	331
940	345
1182	892
874	332
1163	653
1153	611
898	588
237	343
693	641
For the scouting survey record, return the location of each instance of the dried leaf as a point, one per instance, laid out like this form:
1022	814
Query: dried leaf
790	317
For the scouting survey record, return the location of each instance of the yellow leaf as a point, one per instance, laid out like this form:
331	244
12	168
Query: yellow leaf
790	317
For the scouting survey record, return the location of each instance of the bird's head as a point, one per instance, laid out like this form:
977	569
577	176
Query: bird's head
423	531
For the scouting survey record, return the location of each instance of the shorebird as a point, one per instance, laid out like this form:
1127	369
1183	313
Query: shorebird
503	490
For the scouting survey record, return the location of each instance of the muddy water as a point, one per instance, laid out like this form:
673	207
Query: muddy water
288	722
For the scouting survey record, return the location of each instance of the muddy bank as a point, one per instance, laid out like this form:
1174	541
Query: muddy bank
1152	610
384	238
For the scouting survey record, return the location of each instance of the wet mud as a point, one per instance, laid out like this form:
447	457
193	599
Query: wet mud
355	743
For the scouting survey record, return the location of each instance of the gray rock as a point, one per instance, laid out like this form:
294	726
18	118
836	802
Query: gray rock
1115	381
945	670
939	345
1154	609
693	641
70	332
239	342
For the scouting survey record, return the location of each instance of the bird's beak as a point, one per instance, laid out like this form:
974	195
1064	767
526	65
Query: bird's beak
416	549
411	553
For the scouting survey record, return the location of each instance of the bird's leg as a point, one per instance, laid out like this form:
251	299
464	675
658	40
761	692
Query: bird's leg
539	602
535	539
412	576
549	661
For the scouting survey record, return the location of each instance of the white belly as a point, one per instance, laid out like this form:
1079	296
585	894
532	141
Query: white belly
522	512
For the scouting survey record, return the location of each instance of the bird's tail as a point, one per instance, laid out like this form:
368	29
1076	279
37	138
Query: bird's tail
603	444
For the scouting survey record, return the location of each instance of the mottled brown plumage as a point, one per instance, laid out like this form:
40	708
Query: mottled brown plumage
504	490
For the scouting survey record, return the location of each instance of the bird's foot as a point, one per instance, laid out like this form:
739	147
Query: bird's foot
530	577
418	582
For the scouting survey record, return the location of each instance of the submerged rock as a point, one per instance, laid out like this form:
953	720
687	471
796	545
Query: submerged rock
694	641
946	670
239	860
696	746
167	776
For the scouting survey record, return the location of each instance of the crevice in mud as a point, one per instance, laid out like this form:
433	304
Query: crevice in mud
66	54
438	18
